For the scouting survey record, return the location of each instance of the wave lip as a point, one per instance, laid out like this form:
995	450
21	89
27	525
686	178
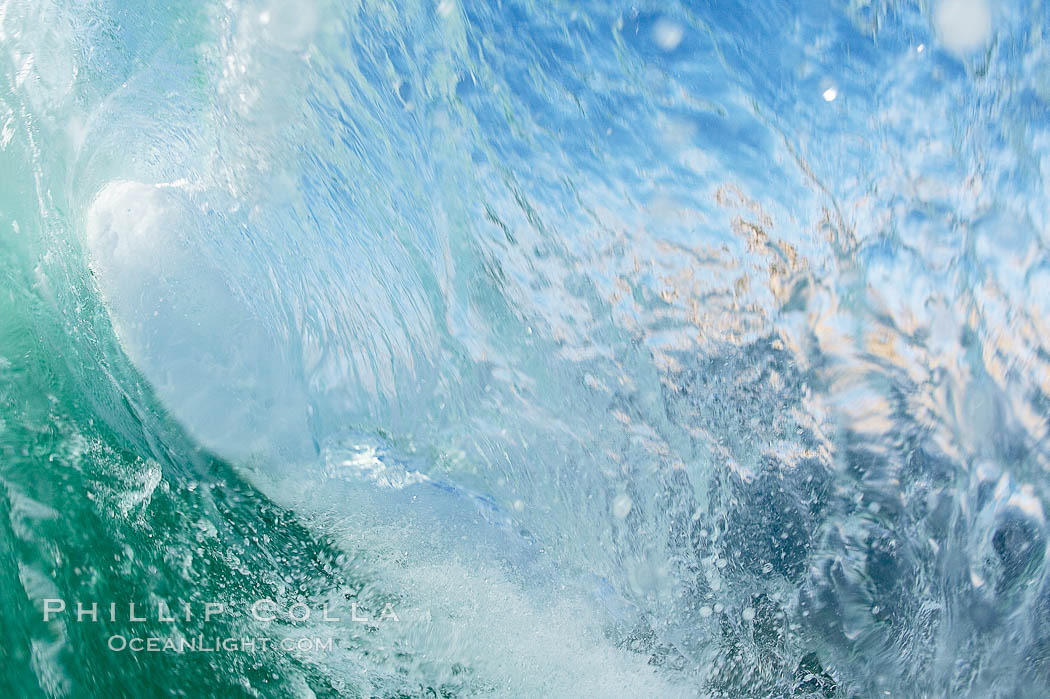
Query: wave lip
207	353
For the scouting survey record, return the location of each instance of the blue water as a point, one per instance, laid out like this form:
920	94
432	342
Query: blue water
673	349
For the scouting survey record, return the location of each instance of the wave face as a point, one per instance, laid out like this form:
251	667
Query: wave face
648	349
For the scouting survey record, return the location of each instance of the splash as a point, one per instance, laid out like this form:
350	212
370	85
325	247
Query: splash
622	350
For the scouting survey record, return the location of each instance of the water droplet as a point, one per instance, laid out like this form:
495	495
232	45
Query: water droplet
668	34
963	25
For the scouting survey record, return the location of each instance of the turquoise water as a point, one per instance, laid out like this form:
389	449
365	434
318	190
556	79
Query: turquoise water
524	349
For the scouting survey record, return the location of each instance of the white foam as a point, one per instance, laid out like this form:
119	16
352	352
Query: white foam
522	629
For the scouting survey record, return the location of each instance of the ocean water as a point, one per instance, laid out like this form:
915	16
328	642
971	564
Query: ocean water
500	348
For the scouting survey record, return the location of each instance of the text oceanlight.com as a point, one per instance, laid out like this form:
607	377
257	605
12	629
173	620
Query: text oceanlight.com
201	644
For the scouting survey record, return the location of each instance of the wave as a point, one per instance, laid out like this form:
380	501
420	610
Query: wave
688	350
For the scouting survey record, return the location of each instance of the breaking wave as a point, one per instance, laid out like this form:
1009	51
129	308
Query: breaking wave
689	349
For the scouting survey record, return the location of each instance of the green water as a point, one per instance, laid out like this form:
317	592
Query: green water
87	514
104	500
695	350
